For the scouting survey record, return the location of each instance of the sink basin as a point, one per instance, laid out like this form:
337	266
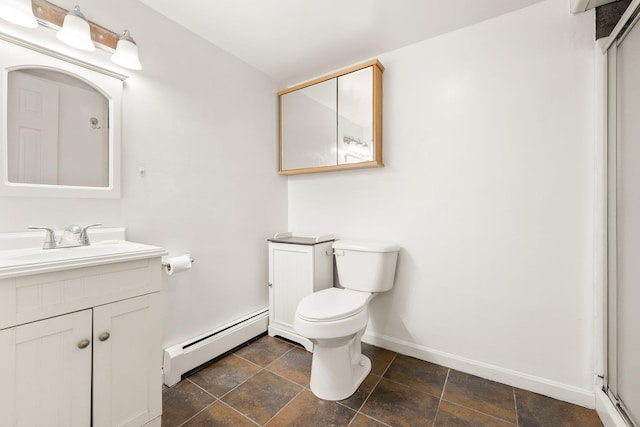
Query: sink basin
34	260
48	255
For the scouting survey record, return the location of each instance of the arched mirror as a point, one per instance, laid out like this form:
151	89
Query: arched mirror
57	130
60	127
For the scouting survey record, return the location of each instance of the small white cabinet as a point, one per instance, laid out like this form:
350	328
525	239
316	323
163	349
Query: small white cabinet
82	347
298	266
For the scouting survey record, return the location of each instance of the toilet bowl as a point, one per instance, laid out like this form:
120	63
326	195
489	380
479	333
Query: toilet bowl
335	319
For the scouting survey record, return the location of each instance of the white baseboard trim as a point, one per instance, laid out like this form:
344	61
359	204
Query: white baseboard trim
608	413
557	390
156	422
190	354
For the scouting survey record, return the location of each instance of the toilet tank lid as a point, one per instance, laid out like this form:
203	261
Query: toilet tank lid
365	246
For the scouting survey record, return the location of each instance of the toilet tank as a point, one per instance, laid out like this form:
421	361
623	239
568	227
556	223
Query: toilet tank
366	266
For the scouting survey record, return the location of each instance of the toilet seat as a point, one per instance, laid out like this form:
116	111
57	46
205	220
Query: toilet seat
332	304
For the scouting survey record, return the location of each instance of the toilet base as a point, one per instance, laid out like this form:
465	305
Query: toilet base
338	370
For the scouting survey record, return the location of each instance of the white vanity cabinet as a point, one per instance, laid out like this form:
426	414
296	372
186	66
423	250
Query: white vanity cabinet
298	266
82	346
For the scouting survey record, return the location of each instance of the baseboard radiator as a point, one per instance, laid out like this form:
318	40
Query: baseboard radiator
188	355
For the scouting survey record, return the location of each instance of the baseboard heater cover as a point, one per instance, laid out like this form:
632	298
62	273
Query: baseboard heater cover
190	354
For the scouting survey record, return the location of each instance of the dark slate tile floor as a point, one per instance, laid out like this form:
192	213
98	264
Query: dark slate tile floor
266	383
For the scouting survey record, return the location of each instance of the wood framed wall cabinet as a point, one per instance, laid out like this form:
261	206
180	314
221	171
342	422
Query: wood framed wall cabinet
333	122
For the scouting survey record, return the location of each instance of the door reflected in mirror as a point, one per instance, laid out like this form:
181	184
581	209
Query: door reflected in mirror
57	130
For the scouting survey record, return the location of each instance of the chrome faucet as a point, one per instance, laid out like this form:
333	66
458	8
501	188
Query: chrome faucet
50	241
84	236
72	236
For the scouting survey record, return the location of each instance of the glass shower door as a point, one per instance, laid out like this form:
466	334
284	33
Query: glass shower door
624	233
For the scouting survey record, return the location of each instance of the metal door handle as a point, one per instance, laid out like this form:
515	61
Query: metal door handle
104	336
84	343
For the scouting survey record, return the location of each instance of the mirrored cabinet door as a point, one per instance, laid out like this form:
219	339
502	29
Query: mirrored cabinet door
355	117
309	126
333	122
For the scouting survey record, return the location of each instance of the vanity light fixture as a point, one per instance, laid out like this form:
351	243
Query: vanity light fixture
126	54
18	12
75	31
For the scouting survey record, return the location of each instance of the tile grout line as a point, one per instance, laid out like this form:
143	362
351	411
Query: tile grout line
278	357
378	382
366	398
244	415
304	387
473	409
284	406
215	397
246	360
480	412
293	347
395	356
444	386
263	368
515	405
373	418
358	411
239	384
203	409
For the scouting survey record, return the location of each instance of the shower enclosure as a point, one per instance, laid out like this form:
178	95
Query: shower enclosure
622	367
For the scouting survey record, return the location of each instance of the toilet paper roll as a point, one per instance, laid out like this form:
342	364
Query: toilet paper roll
176	264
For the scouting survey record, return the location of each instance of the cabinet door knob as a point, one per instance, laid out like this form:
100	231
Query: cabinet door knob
104	336
84	343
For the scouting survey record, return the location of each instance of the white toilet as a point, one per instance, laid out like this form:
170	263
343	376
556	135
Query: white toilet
335	319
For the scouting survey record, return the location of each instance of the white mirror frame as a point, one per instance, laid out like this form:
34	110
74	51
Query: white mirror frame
15	57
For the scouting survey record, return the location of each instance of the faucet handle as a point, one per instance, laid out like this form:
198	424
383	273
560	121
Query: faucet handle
84	236
50	241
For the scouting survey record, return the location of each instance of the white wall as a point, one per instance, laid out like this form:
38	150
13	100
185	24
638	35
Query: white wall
487	187
204	126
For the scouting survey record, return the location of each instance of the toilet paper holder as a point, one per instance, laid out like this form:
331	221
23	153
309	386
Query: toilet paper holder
166	264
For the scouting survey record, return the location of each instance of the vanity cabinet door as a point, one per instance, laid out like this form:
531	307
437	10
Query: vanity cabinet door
45	368
127	361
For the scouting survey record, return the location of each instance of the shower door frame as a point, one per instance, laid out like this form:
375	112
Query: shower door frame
609	167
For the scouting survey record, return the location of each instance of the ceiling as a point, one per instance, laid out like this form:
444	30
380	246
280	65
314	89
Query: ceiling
295	40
